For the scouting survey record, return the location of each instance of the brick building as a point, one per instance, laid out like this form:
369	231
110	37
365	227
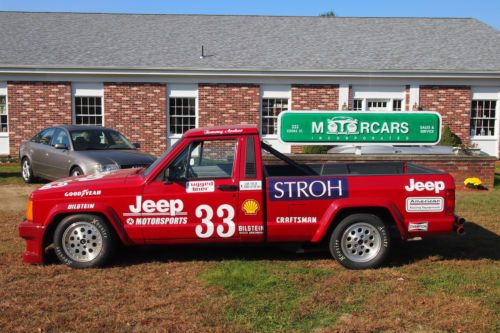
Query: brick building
147	76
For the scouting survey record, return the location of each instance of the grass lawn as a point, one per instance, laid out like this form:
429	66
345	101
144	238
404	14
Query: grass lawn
439	284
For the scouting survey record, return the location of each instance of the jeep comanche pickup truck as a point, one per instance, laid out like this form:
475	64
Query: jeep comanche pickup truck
223	185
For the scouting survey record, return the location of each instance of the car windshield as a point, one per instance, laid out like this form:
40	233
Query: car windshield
99	139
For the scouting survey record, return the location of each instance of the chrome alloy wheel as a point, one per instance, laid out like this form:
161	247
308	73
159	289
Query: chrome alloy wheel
82	241
361	242
26	170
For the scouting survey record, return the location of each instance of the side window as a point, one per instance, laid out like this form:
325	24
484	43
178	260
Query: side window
60	137
209	159
36	138
46	136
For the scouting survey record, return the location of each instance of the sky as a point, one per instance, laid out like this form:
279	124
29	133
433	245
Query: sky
487	11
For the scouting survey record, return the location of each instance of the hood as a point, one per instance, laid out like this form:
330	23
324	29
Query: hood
86	185
120	157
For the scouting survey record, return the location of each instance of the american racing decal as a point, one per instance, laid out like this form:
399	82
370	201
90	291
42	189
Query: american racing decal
83	193
436	186
296	219
424	204
420	226
200	186
307	189
81	206
250	185
250	207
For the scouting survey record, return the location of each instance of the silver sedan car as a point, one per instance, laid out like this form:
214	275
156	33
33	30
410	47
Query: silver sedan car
67	150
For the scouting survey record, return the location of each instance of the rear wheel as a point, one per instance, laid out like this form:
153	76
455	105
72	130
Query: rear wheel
76	171
84	241
27	171
360	241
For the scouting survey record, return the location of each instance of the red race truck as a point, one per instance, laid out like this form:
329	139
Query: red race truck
224	185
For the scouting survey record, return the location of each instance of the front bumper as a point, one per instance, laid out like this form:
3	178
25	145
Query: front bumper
33	234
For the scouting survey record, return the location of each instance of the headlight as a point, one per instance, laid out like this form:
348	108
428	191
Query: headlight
106	167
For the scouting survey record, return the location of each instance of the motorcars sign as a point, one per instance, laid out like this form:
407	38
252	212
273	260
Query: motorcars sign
359	128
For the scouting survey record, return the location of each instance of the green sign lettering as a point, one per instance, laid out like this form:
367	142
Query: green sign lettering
339	127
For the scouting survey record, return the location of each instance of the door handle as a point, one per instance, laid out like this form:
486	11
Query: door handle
228	187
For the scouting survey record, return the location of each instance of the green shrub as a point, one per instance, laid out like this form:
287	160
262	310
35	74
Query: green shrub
448	138
315	149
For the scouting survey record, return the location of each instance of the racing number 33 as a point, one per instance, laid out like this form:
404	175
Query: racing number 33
225	211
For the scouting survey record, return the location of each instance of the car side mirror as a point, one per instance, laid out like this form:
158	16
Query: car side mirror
60	146
137	145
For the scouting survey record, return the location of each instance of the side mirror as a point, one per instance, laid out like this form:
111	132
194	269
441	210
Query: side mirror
60	146
137	145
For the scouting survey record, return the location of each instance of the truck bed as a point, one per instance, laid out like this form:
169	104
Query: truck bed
335	169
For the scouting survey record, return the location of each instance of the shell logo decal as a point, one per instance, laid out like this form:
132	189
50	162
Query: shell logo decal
250	207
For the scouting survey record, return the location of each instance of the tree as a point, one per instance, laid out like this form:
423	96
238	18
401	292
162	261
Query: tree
329	13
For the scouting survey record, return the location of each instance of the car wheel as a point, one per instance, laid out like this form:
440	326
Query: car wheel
360	241
84	241
27	171
76	171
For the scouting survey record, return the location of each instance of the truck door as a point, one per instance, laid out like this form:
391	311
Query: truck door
195	197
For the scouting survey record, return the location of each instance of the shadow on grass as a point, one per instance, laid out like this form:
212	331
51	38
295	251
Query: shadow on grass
478	243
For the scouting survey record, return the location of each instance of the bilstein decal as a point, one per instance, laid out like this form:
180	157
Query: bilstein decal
308	189
81	206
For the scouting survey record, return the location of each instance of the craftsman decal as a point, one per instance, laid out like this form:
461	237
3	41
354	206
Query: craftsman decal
424	204
296	219
307	189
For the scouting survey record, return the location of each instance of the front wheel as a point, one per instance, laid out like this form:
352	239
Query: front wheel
76	171
360	241
84	241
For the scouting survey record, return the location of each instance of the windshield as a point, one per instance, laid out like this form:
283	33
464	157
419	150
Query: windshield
99	139
150	168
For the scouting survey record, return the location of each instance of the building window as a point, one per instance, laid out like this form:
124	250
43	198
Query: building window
182	114
271	108
483	116
88	110
357	105
3	114
397	104
376	105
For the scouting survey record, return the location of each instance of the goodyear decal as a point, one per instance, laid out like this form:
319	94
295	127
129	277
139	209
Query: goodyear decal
308	189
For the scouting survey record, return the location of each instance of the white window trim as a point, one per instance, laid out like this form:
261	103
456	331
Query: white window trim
3	92
189	90
388	93
87	89
274	91
487	93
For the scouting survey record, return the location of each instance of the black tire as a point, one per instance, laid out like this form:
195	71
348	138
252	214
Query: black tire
360	241
27	171
75	249
76	171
